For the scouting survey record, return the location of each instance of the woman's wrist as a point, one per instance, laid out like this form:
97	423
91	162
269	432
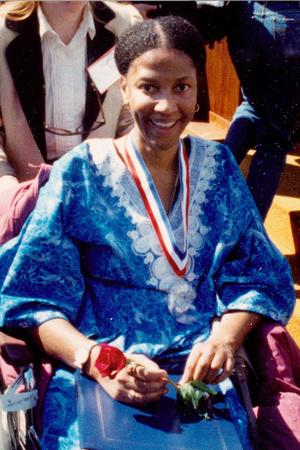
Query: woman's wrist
233	327
83	355
102	360
228	340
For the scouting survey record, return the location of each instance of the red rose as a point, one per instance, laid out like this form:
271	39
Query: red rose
110	360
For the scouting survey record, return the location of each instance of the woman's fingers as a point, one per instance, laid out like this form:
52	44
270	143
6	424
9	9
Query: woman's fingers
143	368
227	370
216	367
148	387
199	363
139	397
147	383
204	369
188	373
133	390
209	362
141	381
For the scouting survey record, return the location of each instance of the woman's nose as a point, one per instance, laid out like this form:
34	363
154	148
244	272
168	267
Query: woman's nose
166	103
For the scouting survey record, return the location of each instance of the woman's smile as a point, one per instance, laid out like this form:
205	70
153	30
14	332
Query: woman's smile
163	124
161	89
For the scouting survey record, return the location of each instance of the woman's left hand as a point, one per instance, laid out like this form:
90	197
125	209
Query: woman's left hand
211	361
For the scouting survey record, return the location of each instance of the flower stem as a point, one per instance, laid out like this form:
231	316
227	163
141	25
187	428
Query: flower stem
175	385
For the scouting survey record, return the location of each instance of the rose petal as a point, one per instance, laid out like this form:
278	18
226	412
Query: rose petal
110	360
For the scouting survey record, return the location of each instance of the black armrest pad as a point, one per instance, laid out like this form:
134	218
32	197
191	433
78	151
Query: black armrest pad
15	351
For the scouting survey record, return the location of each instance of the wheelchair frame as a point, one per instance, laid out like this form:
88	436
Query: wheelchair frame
18	397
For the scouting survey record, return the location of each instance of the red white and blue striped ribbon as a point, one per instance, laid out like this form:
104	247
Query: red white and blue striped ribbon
178	259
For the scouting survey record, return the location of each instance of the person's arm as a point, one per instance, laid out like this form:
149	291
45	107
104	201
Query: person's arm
47	285
17	165
251	279
142	383
213	360
61	340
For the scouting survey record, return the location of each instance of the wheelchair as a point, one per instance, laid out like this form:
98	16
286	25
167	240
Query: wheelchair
19	395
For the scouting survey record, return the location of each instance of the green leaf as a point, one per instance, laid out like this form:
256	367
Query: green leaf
186	391
191	395
196	397
203	387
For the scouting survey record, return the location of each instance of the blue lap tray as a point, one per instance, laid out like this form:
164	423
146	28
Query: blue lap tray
106	424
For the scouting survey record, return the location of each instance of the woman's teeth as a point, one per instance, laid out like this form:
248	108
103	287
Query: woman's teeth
164	124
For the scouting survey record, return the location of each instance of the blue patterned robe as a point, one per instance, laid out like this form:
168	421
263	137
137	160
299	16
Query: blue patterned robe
89	254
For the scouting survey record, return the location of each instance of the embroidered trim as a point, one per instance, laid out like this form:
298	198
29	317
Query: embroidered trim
181	293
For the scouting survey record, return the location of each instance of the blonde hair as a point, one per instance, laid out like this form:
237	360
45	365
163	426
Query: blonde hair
17	10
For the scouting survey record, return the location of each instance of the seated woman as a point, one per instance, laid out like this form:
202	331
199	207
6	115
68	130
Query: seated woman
143	243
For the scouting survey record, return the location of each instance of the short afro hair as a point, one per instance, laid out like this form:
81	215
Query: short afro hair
172	32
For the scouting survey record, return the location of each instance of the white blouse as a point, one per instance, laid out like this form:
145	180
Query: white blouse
65	76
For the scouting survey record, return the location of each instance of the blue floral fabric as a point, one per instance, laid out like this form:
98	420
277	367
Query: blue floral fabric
89	254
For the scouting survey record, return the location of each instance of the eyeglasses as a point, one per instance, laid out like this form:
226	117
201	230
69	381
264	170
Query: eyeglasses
79	130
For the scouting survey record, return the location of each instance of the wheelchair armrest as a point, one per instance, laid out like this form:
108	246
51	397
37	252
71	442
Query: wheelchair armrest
15	351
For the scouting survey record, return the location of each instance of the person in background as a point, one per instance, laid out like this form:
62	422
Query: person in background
264	44
151	243
48	101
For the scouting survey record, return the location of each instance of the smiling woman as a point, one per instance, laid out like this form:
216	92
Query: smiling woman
150	243
159	82
161	89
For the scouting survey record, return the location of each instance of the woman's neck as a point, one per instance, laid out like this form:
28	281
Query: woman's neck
162	164
155	157
160	159
64	17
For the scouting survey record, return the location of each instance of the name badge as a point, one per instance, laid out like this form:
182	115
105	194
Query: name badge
20	401
104	72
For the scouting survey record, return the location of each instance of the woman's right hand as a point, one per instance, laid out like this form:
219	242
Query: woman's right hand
138	383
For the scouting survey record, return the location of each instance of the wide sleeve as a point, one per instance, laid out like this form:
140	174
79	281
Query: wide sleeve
248	271
44	279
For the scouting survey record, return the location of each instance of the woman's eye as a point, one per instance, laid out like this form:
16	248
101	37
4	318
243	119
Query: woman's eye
148	88
182	87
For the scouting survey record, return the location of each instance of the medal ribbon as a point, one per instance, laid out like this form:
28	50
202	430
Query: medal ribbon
177	259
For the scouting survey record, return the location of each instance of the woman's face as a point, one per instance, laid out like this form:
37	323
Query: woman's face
161	89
